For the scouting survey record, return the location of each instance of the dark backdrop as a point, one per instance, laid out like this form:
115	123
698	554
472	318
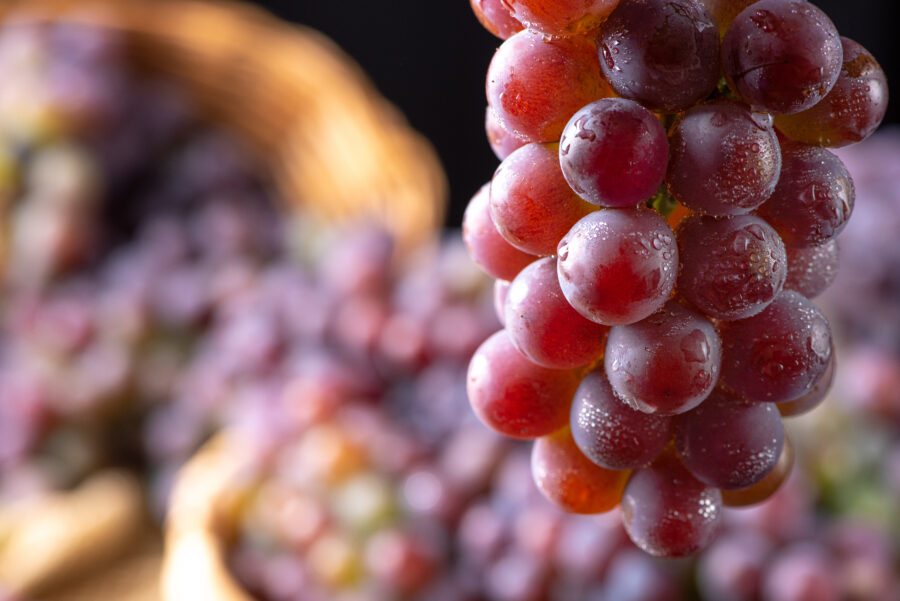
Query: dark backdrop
430	58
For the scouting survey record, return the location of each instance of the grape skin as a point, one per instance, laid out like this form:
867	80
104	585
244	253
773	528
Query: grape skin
768	486
501	141
815	396
570	480
851	111
618	266
779	354
561	17
495	17
514	396
667	363
814	197
487	247
609	432
730	268
661	53
811	270
724	159
729	442
614	152
781	56
531	204
543	325
535	84
667	512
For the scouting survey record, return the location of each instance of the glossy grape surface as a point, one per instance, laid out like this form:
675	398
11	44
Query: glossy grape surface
514	396
535	84
668	512
496	18
569	479
531	204
724	158
609	432
781	56
561	17
779	354
851	111
667	363
618	266
729	442
814	197
502	142
544	326
811	270
614	152
814	397
768	486
730	268
661	53
486	246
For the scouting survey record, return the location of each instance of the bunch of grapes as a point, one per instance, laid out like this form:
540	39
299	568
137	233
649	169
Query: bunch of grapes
664	210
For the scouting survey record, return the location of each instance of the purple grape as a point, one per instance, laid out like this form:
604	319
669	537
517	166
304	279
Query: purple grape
779	354
661	53
812	270
730	268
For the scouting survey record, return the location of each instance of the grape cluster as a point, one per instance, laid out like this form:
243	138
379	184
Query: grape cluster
663	212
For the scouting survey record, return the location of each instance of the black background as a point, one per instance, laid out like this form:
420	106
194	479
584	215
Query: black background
430	58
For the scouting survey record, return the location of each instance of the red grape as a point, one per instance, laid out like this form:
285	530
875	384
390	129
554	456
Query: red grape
531	204
668	512
779	354
495	17
609	432
781	56
730	268
618	266
729	442
814	197
614	152
486	246
851	111
661	53
544	326
724	159
514	396
811	270
569	479
534	84
561	17
667	363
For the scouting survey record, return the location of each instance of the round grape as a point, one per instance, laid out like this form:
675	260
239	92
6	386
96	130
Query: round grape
535	84
814	197
781	56
661	53
668	512
569	479
851	111
779	354
612	434
768	486
730	268
495	17
814	397
502	142
531	204
729	442
514	396
614	153
618	266
544	326
724	158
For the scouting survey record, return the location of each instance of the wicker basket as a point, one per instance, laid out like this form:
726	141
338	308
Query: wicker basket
336	149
